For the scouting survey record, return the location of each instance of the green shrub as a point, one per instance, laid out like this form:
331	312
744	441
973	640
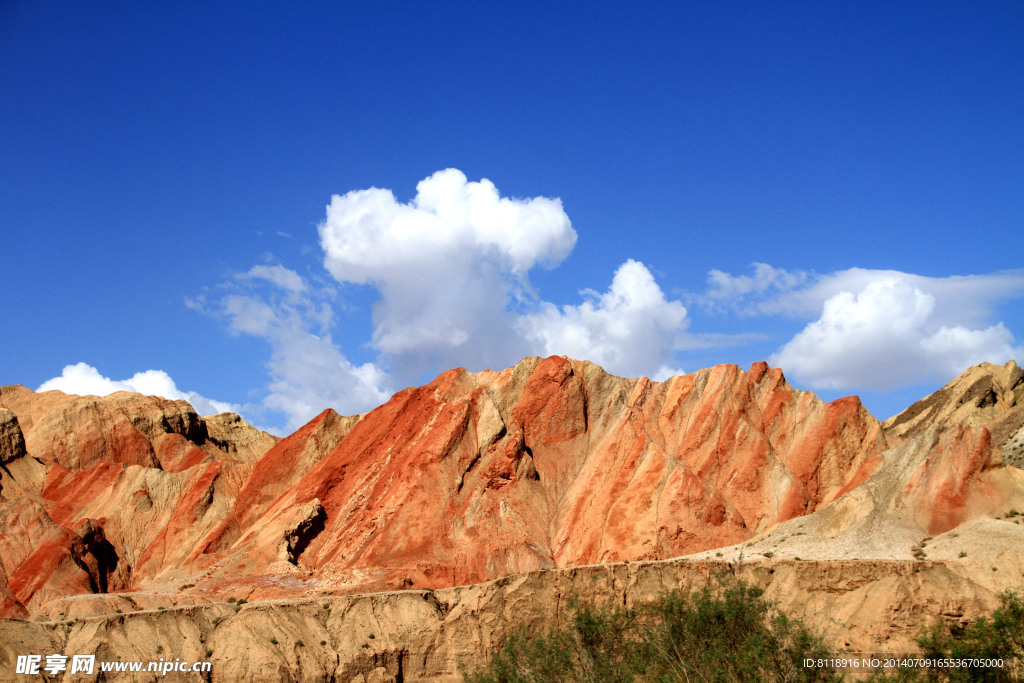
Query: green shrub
726	633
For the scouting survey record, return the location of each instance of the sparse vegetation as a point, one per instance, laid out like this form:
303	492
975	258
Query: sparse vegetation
726	633
299	643
159	649
273	641
323	642
963	553
769	554
1000	636
209	653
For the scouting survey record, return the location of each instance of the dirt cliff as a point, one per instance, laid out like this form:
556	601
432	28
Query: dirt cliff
424	635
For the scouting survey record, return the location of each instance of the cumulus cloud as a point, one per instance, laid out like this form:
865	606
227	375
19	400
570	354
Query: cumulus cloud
84	380
631	329
447	265
885	329
452	267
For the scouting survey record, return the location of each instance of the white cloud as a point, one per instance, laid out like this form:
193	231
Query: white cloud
84	380
959	299
631	329
279	275
875	329
368	234
897	329
447	265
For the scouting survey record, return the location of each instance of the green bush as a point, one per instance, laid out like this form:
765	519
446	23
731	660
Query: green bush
726	633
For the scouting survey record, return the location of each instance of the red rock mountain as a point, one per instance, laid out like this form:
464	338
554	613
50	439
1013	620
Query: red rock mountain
550	463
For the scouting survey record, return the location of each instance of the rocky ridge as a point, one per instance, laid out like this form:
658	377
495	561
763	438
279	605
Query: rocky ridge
136	503
986	395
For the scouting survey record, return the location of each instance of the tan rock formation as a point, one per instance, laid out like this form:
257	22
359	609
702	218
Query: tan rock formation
237	438
949	483
985	395
12	441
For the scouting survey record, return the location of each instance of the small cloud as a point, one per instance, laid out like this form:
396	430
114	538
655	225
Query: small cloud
281	233
279	275
745	293
875	329
83	379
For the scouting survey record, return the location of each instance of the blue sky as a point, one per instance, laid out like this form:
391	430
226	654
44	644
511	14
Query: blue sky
659	187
